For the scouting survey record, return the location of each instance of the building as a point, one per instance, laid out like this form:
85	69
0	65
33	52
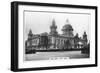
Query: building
54	40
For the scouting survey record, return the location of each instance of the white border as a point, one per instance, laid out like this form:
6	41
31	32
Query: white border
48	63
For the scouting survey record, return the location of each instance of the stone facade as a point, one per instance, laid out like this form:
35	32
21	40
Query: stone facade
54	40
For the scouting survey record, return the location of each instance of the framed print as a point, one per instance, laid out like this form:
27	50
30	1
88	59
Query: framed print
52	36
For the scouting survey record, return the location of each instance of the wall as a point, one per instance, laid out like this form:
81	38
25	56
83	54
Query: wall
5	28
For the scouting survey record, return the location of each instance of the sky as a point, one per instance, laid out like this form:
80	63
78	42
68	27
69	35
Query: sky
40	22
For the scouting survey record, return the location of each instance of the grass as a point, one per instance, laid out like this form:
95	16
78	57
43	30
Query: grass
49	55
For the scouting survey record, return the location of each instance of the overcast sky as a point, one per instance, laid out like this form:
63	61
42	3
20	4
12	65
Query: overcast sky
40	22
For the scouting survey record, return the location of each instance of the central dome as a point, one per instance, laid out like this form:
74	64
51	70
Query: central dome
67	29
67	26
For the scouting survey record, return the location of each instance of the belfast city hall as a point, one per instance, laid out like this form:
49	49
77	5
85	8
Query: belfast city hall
55	41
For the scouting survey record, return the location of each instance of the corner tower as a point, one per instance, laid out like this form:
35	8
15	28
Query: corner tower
30	35
85	38
53	28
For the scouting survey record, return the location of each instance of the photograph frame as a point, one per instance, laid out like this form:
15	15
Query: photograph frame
14	34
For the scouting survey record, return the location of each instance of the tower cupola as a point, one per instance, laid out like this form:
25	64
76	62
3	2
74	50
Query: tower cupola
53	28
